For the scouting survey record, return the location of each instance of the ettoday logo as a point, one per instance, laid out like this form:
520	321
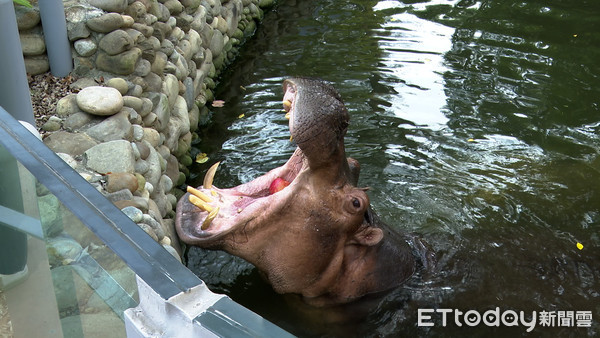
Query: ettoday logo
496	317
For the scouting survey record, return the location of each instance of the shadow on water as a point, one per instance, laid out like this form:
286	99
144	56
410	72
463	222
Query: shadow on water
477	125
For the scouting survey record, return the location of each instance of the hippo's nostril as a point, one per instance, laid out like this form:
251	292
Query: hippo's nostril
368	216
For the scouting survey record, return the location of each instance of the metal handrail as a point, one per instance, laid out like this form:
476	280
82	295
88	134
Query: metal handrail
148	259
155	267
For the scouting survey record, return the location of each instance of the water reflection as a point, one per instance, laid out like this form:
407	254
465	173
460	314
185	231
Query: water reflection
412	65
477	125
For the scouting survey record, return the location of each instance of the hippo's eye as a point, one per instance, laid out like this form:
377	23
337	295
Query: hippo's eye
356	203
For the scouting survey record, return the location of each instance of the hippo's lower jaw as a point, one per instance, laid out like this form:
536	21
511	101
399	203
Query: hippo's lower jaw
239	206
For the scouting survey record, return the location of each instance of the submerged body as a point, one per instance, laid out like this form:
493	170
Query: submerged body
306	226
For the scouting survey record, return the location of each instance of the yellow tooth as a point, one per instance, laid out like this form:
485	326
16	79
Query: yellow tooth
287	115
210	175
209	218
287	103
199	194
200	203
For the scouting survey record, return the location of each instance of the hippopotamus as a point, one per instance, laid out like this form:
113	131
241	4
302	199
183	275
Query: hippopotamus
307	226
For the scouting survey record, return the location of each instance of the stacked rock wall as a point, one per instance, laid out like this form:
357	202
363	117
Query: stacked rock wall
32	40
145	71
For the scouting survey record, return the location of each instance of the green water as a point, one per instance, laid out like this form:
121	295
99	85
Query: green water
477	125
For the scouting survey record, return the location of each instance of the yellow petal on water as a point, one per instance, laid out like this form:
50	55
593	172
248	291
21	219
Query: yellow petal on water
579	246
470	140
201	158
574	35
241	115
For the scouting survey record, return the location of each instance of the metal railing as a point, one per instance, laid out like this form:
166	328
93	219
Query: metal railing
164	279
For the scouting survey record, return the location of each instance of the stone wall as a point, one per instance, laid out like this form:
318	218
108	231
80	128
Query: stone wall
145	71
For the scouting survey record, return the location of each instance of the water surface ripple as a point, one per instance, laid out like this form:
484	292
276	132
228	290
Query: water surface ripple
477	124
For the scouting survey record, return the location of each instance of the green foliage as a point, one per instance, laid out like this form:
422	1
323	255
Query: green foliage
23	3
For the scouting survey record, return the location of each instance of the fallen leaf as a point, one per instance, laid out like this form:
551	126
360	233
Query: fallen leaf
240	116
579	246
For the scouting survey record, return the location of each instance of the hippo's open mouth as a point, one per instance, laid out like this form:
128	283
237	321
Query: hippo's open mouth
306	225
208	213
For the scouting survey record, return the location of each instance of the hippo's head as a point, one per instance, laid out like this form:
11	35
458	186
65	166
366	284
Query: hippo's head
305	225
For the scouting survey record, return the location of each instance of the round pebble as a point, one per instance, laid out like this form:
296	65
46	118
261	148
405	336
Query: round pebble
165	241
165	183
156	227
102	101
138	132
121	180
133	213
172	251
149	187
147	229
119	84
136	152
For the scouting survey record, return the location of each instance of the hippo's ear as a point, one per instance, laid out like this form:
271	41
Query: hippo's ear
368	235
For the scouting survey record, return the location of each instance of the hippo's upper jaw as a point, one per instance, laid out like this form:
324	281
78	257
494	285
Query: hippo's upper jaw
238	206
316	236
318	121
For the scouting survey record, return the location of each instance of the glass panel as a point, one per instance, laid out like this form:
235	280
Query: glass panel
67	284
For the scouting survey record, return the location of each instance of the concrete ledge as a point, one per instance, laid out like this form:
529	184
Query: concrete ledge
197	312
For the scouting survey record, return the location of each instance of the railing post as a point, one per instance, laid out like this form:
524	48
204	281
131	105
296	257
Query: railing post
174	317
13	243
52	13
14	89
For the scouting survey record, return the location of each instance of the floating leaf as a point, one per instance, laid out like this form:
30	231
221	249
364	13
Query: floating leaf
201	158
579	246
241	115
470	140
218	103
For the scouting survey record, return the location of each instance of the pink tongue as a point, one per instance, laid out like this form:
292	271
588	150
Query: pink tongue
277	185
